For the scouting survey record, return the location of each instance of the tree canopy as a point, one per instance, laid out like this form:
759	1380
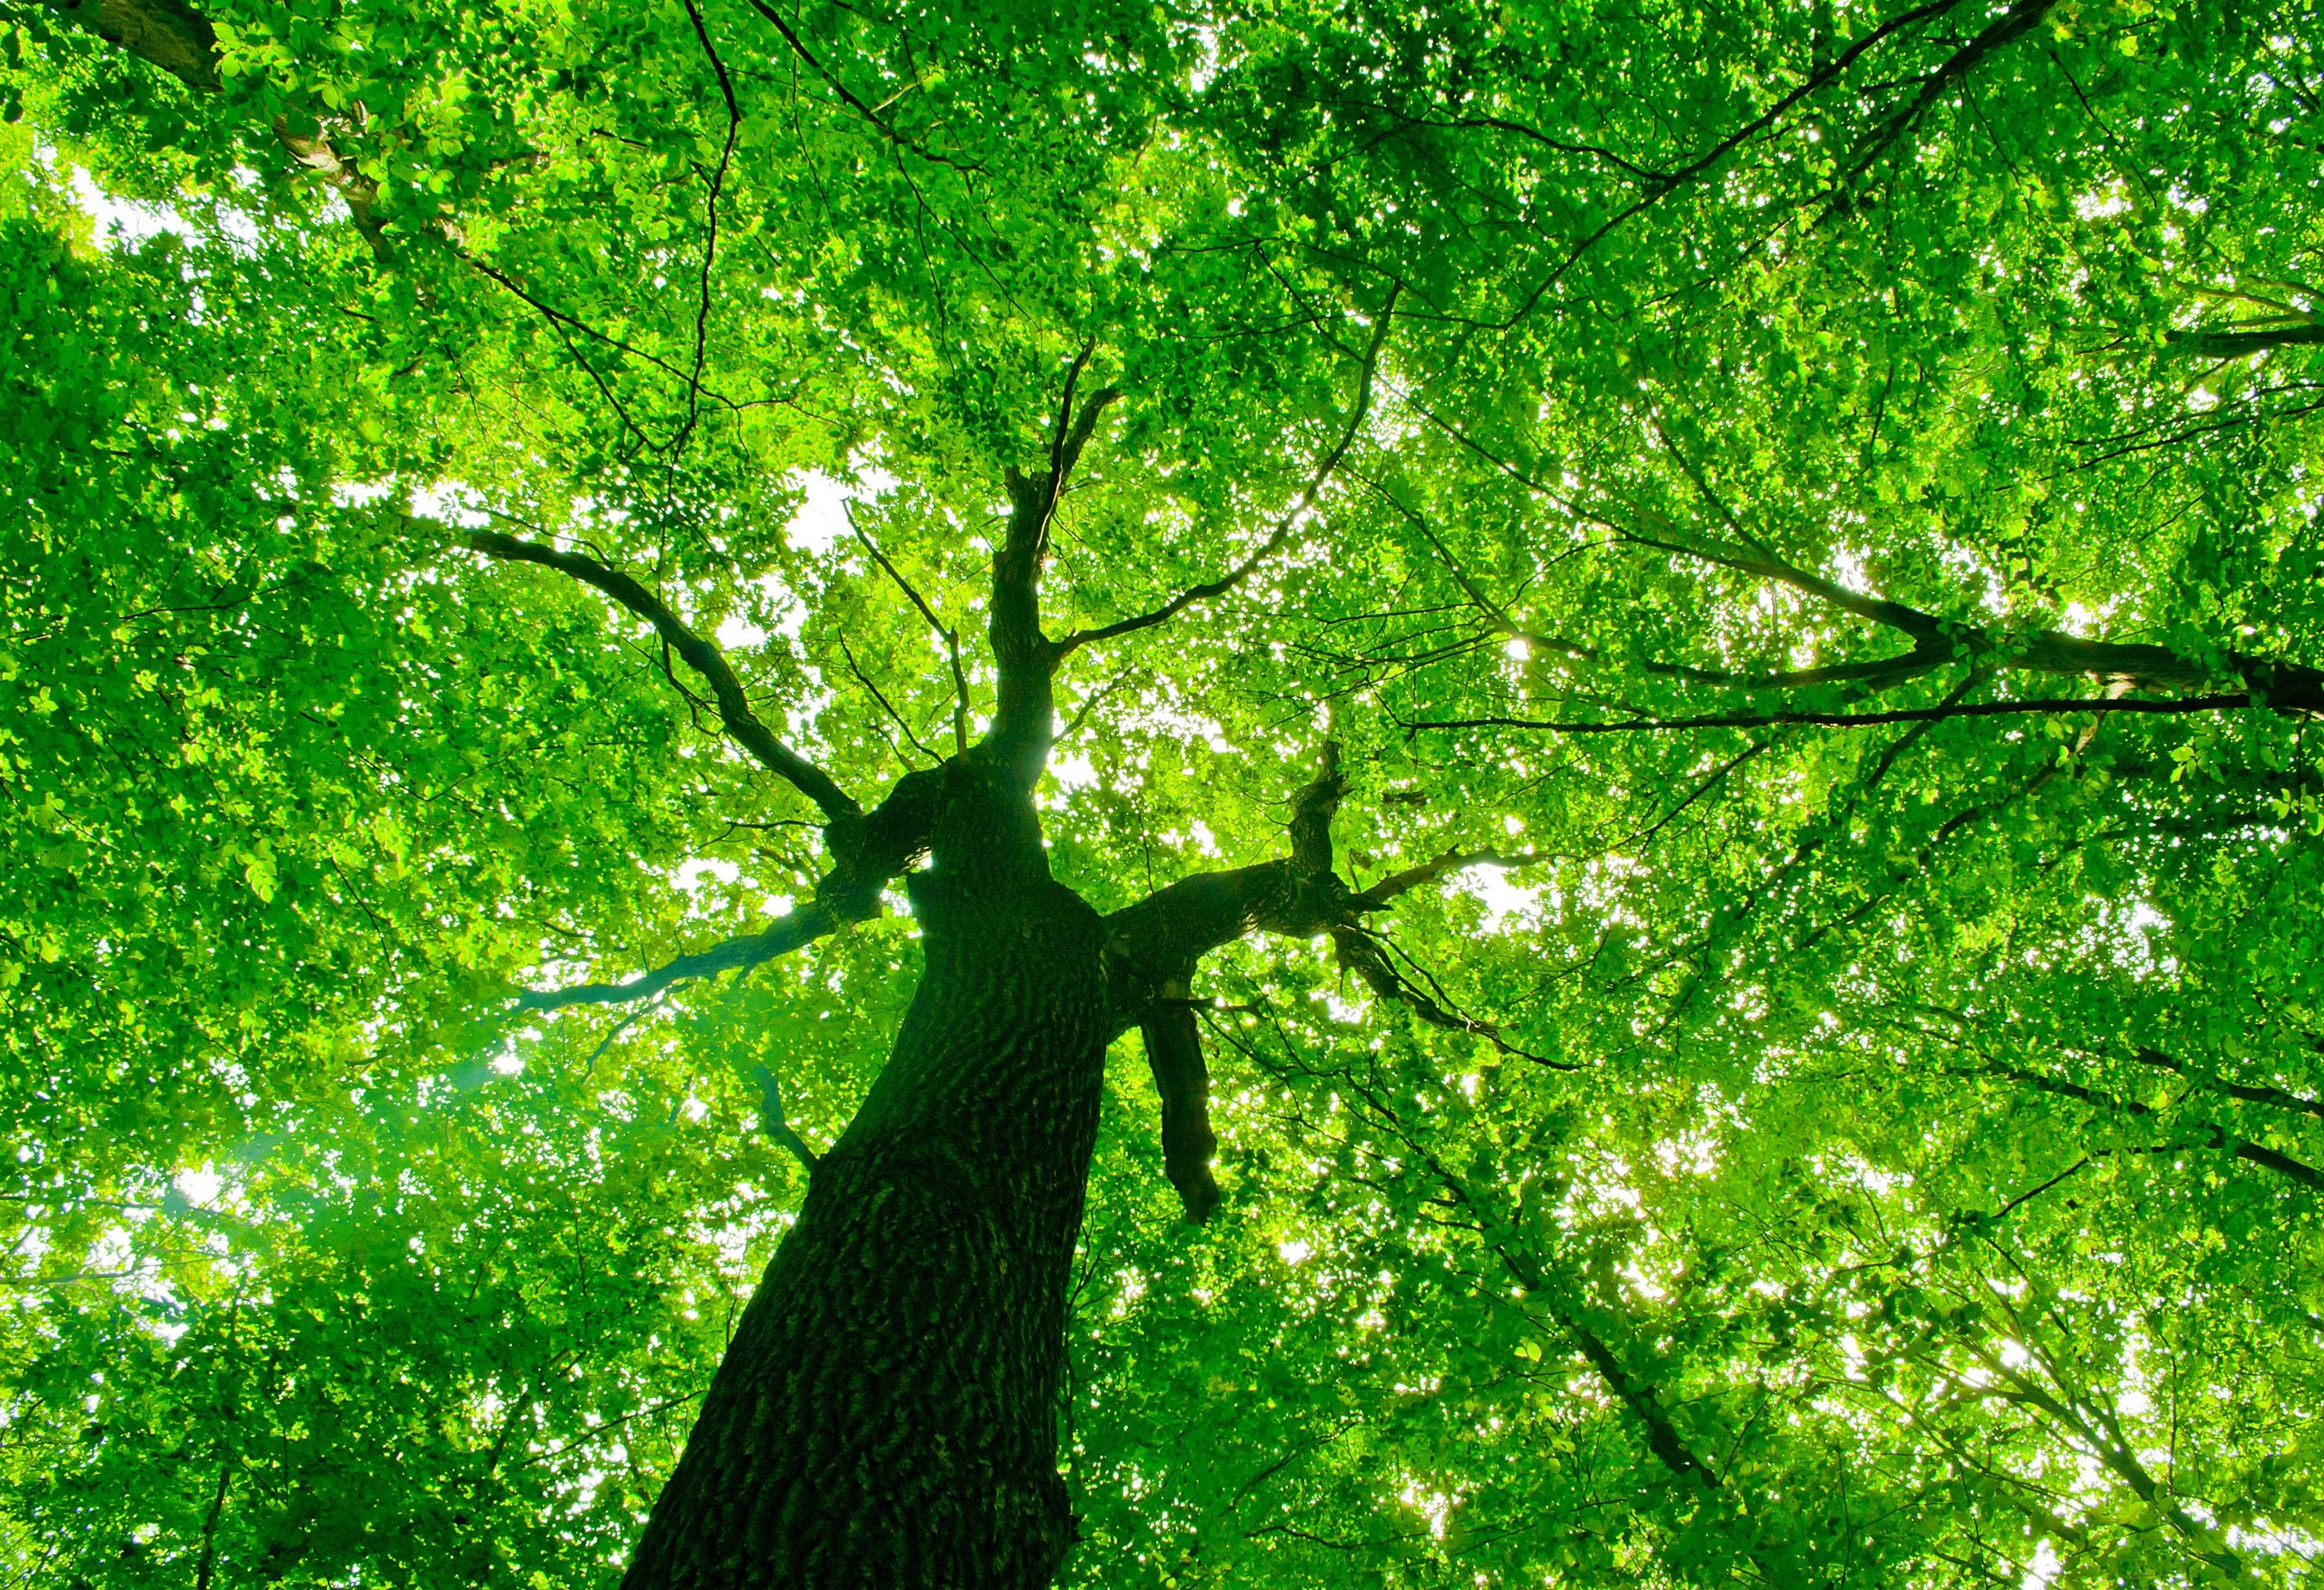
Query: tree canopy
1789	533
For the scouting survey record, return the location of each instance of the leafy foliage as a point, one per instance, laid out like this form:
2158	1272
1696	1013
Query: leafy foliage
1873	1151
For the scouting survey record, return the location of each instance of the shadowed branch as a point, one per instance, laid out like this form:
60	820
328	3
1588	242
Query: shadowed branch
733	705
1283	527
1153	947
775	1124
888	841
802	927
1173	1049
2241	342
1749	720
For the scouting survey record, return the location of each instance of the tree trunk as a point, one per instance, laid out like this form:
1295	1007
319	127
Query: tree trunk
886	1414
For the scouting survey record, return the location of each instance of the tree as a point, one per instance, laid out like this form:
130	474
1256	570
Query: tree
1821	498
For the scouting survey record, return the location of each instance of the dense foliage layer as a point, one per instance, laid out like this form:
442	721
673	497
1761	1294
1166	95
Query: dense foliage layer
1825	582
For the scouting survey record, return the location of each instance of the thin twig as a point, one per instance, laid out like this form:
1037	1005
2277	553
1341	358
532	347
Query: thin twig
951	636
885	705
1289	521
799	48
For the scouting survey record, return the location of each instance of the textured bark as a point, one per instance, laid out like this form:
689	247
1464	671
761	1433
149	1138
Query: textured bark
2237	345
1173	1049
167	32
887	1413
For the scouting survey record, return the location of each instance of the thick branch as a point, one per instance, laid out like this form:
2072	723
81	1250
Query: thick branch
1377	896
1283	527
180	40
2240	343
1312	811
1747	720
167	32
1153	947
775	1123
1765	565
2020	19
1175	926
733	706
802	927
886	843
1173	1049
1026	661
1162	937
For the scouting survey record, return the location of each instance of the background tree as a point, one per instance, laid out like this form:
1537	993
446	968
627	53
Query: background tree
1735	769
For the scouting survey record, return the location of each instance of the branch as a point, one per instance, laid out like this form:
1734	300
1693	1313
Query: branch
1173	1049
168	33
885	842
799	48
1024	713
848	654
2287	686
1377	897
559	318
1156	943
1151	950
951	636
1175	927
1360	951
790	932
2252	1154
1289	521
1929	650
2018	20
1766	565
710	240
1737	720
733	706
1072	434
774	1123
1641	1398
2277	1096
2239	344
181	41
1312	811
1839	64
1662	184
1091	702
